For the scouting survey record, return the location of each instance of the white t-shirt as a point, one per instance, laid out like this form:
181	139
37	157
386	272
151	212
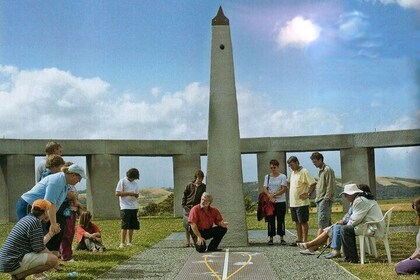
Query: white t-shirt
128	202
274	185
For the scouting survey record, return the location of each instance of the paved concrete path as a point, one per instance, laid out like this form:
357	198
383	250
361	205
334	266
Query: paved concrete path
169	260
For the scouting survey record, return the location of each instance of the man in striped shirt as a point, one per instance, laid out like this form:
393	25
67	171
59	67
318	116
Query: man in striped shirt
24	252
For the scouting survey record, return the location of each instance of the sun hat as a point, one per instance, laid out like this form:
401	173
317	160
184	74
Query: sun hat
41	204
75	168
351	189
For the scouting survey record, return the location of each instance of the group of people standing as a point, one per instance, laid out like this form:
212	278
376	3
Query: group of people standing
48	213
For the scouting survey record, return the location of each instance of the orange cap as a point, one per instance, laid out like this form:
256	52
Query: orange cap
41	204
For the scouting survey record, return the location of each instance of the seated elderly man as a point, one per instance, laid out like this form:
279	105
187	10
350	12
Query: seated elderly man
202	219
24	252
364	210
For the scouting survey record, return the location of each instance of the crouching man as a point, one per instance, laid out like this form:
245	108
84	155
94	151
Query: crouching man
202	219
24	252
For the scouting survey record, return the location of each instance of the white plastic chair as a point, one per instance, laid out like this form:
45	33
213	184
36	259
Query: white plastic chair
369	242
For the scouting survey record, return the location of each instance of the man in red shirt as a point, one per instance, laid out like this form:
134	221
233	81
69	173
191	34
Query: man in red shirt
202	219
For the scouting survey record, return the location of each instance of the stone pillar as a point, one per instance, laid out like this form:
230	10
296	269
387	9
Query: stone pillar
263	165
4	197
103	176
185	167
18	178
224	166
358	166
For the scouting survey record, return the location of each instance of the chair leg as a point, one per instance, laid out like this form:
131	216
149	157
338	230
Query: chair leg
373	247
388	251
368	245
362	249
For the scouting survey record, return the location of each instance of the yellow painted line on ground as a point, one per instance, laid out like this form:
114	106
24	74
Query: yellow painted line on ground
239	269
225	268
211	269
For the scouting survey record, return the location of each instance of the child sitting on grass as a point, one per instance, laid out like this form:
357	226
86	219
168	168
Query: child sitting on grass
88	234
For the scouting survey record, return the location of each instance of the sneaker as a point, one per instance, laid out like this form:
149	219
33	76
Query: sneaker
121	246
332	256
302	246
307	252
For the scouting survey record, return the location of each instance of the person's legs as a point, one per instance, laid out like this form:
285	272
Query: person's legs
129	236
22	208
294	215
303	218
348	239
318	241
336	238
34	263
217	234
407	266
271	230
186	226
122	236
324	214
67	239
280	214
199	248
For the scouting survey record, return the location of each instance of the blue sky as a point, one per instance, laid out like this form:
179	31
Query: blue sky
141	70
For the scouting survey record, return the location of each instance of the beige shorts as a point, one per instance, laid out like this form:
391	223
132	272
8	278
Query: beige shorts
31	260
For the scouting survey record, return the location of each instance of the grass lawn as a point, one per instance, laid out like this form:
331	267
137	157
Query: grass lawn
91	265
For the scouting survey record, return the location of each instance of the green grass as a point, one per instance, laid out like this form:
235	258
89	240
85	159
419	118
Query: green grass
91	265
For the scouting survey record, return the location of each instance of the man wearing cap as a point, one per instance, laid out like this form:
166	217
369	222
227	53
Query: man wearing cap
364	210
24	253
54	189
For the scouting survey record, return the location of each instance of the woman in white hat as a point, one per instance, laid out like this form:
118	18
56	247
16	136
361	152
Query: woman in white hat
364	210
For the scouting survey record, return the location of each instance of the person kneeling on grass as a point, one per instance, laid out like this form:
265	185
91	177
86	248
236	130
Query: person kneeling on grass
24	252
88	234
202	219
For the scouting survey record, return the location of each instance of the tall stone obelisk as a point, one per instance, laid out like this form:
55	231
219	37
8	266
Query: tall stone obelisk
224	166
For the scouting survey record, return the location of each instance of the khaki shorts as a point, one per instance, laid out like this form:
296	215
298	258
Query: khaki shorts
31	260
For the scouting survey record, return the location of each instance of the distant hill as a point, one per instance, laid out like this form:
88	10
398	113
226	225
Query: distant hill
386	188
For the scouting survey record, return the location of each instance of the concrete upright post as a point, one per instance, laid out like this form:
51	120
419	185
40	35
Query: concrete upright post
358	166
20	178
224	166
185	167
103	175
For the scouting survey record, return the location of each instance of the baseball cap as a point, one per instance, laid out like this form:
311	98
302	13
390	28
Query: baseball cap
75	168
41	204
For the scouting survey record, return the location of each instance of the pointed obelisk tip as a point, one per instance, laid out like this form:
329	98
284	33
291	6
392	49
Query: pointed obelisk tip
220	18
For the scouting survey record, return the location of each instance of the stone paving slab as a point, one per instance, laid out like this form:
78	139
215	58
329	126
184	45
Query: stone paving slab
167	260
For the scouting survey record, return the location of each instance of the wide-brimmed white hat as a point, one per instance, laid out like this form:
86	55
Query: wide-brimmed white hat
351	189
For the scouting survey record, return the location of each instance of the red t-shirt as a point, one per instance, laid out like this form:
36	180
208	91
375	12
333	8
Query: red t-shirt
202	219
80	231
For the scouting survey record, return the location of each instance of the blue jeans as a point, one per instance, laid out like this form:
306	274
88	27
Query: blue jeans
336	238
23	208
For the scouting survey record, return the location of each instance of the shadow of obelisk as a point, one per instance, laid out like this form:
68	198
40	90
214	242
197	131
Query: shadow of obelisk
224	167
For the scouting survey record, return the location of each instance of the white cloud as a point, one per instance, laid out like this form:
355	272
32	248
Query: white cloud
404	122
298	32
51	103
406	4
352	25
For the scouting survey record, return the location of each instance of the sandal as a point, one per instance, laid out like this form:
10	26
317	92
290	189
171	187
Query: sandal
186	245
282	242
270	242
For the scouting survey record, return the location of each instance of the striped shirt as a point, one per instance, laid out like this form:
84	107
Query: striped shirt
25	237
